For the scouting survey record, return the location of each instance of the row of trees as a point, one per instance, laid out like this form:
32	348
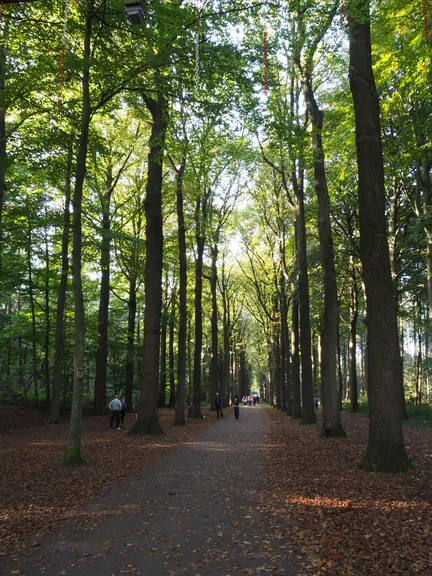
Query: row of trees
249	248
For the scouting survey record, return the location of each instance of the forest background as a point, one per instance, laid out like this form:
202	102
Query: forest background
225	133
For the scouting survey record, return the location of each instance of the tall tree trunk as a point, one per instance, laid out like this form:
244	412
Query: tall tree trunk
130	356
73	452
182	329
277	367
214	368
200	220
148	416
331	423
3	142
171	356
308	409
105	262
386	448
353	344
339	364
226	335
33	310
61	300
295	362
419	354
47	315
163	357
282	373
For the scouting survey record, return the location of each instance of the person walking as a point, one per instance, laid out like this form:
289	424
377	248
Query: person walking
316	402
123	411
115	406
219	405
236	403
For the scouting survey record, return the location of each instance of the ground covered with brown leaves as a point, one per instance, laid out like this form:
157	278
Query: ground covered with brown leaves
36	490
310	508
349	522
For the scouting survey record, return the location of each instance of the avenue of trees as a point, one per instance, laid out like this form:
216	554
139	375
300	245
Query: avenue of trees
170	227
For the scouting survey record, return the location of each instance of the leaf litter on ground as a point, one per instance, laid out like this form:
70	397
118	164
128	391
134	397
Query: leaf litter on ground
348	522
37	491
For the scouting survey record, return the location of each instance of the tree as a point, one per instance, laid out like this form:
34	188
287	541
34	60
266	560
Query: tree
386	449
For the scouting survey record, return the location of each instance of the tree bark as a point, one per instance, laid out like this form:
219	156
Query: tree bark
214	367
3	143
130	356
148	416
353	384
308	409
200	223
386	449
331	422
226	333
105	261
47	381
32	308
179	418
163	357
171	356
73	452
295	362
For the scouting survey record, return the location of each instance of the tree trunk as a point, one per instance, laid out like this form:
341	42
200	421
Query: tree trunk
130	356
304	311
353	384
419	355
226	335
331	423
295	361
214	368
47	382
61	301
182	329
148	416
105	261
386	449
73	453
200	218
339	363
171	356
33	310
3	143
283	378
163	357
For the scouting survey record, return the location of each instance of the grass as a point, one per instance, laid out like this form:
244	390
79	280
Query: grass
418	416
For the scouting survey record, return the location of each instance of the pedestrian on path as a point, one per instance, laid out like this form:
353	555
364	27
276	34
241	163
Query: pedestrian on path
236	407
218	405
316	402
115	406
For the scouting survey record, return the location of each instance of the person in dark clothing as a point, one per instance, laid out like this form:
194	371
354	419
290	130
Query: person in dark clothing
236	402
123	410
219	405
115	407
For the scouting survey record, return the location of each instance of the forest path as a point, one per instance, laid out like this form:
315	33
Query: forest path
195	512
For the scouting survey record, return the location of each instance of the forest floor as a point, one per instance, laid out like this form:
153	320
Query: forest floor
261	495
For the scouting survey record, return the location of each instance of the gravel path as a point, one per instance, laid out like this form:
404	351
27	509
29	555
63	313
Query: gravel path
196	512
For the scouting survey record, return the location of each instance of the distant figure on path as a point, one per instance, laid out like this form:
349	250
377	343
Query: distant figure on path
123	410
236	407
218	405
316	402
115	406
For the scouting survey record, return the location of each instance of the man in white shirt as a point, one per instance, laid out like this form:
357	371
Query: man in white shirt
115	406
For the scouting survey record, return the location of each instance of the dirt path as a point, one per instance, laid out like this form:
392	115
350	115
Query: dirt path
195	512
